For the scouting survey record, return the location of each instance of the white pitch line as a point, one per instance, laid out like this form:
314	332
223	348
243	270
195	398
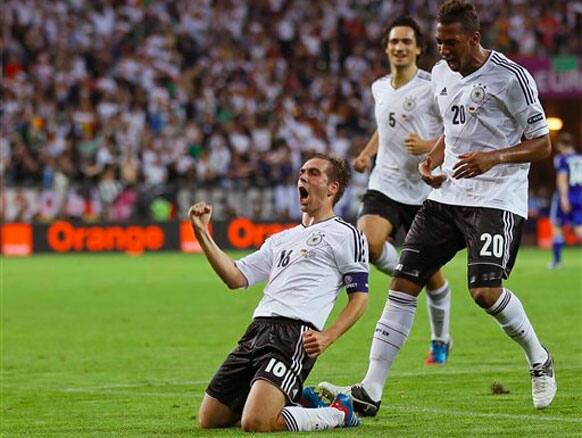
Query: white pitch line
541	417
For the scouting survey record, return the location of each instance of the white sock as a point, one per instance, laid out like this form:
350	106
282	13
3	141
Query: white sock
438	302
300	419
509	313
388	259
392	329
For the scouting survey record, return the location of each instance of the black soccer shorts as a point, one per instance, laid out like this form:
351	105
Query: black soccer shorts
439	231
271	349
397	213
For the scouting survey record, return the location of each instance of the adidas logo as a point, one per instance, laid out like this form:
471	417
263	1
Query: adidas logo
444	92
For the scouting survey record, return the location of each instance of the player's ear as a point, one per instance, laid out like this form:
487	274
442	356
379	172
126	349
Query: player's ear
332	189
475	38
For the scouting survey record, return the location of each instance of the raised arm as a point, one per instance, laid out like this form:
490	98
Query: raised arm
222	264
477	163
362	161
316	343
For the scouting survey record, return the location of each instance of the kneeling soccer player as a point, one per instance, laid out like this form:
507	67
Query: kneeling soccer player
261	380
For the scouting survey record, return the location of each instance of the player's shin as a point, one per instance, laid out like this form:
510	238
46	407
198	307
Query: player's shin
557	245
388	259
511	316
438	302
391	332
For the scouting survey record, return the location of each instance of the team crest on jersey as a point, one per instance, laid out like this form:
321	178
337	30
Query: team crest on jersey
409	103
478	93
315	238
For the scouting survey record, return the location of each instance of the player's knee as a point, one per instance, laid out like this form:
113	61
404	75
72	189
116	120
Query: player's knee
375	250
205	422
256	423
485	297
406	286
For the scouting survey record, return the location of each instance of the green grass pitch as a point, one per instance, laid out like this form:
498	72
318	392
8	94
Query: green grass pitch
97	345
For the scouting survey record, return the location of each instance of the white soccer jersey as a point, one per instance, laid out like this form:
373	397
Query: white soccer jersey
306	267
399	112
492	108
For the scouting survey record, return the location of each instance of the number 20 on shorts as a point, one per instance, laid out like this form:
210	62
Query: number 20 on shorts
492	245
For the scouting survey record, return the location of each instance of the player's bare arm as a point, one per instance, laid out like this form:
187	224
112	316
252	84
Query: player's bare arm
200	214
362	161
415	145
477	163
315	343
435	158
562	184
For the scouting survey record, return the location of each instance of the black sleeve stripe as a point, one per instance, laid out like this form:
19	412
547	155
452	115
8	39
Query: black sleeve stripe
521	72
521	77
354	235
363	247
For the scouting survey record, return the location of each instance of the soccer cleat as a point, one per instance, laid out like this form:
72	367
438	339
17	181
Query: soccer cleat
343	403
554	265
363	403
310	399
329	391
439	352
543	383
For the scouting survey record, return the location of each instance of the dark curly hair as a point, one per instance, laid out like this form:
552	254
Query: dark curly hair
459	11
408	21
338	171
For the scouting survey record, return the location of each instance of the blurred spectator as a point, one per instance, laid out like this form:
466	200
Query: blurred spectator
109	95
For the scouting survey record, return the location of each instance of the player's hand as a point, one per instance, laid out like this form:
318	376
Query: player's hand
199	215
415	145
361	163
473	164
425	170
315	343
565	205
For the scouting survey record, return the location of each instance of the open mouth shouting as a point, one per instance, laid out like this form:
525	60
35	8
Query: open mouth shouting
303	195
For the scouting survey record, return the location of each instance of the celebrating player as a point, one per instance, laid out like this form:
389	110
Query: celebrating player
487	103
305	267
408	124
567	201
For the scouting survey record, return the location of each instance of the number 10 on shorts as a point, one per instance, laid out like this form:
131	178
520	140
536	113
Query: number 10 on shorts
492	245
276	367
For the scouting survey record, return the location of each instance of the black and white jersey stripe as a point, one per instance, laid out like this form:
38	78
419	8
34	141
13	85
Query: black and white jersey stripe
359	244
520	74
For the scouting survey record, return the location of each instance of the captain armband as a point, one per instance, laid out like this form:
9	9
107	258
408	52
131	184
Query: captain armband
356	282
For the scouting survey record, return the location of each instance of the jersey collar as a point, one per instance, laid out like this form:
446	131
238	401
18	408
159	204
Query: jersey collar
480	69
317	223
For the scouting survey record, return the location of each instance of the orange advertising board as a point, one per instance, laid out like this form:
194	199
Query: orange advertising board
16	239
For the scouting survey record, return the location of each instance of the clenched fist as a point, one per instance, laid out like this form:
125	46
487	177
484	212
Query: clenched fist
199	215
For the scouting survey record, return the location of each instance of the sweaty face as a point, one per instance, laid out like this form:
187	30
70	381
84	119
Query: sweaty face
313	185
401	48
454	45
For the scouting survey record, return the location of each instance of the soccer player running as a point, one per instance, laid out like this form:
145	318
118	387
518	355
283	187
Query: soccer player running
567	201
488	104
408	124
305	267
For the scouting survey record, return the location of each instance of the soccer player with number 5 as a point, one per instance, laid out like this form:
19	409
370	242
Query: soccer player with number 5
261	381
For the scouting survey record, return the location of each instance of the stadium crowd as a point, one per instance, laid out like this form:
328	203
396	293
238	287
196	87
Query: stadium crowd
125	101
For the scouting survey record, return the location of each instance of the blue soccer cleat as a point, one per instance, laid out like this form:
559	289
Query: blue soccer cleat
343	403
439	352
310	399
